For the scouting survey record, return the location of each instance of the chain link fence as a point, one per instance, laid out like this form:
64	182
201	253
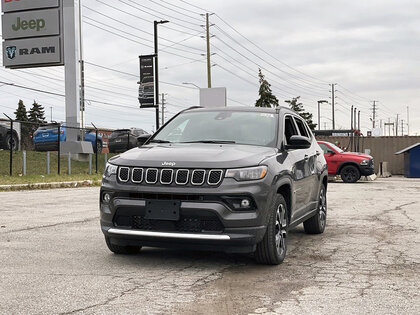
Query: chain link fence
28	148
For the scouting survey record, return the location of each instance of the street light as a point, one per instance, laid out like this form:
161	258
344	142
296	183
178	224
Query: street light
319	112
193	84
155	24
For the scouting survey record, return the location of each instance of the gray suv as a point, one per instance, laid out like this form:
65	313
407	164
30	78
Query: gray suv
229	179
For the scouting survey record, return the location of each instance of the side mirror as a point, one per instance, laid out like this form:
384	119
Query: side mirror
331	152
142	139
298	142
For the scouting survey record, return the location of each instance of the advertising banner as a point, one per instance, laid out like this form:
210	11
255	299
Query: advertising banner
147	82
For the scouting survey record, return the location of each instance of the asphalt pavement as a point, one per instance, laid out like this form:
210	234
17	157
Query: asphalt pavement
53	260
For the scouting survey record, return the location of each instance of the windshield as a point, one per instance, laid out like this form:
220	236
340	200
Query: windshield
332	145
252	128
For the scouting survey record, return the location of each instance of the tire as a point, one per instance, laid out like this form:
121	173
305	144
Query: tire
316	224
350	174
272	249
12	140
122	250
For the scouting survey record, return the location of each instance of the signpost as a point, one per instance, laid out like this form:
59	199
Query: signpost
32	33
147	82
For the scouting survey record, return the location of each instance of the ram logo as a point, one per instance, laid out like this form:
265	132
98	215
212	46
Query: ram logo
11	52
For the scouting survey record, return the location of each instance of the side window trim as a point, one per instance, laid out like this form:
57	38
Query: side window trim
303	123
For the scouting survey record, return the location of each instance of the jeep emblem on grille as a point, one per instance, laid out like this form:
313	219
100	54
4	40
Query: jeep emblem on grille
168	164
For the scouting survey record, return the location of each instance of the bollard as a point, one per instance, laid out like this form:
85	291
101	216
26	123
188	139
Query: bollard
69	163
90	163
24	162
48	162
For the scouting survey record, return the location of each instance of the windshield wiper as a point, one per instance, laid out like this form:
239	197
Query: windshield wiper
210	141
159	141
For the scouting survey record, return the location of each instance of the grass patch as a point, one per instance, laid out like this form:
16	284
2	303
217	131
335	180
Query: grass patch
36	164
33	179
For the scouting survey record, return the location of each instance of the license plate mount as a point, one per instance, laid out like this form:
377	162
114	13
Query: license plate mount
162	210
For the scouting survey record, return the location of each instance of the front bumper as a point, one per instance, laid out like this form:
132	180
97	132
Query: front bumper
240	230
367	170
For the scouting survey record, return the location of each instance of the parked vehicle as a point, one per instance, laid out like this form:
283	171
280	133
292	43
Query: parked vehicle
8	139
122	140
45	138
349	165
229	179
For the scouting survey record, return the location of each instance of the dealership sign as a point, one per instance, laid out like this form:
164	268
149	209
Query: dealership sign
32	33
147	82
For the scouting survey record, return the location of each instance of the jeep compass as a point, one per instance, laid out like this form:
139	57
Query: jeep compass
223	179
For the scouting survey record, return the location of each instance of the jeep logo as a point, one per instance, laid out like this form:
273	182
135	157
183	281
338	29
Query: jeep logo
37	24
168	164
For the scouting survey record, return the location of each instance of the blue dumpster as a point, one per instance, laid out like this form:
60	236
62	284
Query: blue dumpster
411	160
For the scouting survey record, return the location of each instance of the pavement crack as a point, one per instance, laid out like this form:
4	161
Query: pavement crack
50	225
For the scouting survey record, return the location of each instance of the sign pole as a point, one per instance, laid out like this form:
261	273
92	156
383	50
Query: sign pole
71	68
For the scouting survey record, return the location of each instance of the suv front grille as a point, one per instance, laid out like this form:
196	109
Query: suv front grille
168	176
124	174
151	175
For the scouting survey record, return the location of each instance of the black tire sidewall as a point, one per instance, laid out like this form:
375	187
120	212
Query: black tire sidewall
348	167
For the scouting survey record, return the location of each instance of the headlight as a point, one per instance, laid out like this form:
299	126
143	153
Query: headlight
364	162
110	169
250	173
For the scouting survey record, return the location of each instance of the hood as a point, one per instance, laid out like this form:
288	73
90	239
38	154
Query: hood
358	155
194	156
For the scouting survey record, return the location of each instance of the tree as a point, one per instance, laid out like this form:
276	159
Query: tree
25	129
267	99
298	108
21	113
37	113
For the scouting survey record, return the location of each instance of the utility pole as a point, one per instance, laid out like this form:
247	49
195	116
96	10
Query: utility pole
374	109
163	109
51	110
155	24
402	127
358	135
408	121
352	129
333	103
208	51
396	127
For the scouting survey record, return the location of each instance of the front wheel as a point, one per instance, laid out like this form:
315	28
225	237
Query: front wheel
350	174
316	224
272	249
122	250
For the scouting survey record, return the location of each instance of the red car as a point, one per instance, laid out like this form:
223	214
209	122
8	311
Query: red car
349	165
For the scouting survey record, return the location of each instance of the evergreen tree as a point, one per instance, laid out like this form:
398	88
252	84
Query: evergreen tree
267	99
21	113
25	129
37	113
298	108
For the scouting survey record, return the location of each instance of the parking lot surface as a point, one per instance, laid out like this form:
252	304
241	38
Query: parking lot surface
53	260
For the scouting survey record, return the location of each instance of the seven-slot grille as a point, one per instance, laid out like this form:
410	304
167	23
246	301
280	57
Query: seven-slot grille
169	176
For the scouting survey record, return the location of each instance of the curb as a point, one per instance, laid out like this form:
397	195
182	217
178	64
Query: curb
72	184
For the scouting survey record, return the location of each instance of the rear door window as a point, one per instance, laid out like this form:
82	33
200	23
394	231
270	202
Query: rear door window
301	126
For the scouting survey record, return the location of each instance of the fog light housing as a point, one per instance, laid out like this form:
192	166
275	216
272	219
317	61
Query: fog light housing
107	197
245	203
240	203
